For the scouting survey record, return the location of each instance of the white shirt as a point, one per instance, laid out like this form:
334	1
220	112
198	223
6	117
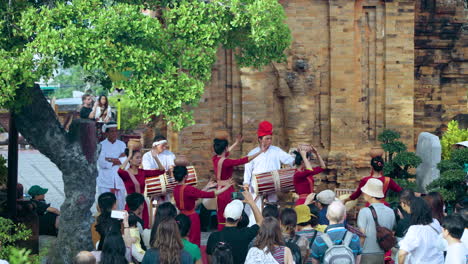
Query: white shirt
419	243
457	253
166	157
464	238
108	176
102	118
268	161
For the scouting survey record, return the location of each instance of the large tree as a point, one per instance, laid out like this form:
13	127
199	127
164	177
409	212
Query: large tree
169	57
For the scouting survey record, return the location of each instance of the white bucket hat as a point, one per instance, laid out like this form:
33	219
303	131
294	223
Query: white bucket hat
374	188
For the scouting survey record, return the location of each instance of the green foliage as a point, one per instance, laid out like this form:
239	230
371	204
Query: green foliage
20	256
407	160
170	57
76	78
9	234
388	135
131	113
394	147
452	136
452	181
451	184
3	170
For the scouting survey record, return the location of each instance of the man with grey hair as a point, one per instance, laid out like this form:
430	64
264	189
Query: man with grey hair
336	215
84	257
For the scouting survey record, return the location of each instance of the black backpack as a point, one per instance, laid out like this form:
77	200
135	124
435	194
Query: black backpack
295	250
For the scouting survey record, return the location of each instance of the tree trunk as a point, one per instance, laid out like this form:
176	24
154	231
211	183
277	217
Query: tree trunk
38	124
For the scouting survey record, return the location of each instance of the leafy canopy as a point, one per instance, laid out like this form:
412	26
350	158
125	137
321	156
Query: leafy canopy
169	57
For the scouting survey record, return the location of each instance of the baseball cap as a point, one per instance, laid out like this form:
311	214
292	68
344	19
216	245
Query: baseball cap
37	190
234	210
326	197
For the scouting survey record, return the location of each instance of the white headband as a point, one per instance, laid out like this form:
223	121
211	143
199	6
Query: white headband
159	142
106	126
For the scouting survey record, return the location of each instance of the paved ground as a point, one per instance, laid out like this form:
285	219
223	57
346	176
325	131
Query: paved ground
36	169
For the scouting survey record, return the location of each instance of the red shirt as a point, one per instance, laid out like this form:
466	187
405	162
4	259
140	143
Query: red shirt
304	180
228	166
186	200
392	185
140	177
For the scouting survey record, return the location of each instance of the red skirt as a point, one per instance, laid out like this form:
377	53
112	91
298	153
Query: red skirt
222	200
194	234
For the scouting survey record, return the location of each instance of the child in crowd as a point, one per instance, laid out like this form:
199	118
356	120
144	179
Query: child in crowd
457	252
307	218
183	222
137	250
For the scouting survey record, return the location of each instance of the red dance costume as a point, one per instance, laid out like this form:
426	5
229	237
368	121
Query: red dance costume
304	183
387	184
131	187
226	174
185	197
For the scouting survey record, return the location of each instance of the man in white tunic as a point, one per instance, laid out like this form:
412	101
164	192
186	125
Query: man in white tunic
166	158
108	164
267	161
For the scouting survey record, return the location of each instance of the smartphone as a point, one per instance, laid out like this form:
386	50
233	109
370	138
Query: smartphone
237	196
118	214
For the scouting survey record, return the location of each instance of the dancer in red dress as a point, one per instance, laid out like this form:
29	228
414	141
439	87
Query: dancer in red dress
223	176
186	195
377	164
134	178
304	177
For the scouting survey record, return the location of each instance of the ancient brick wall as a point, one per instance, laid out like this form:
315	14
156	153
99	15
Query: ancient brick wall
441	64
350	74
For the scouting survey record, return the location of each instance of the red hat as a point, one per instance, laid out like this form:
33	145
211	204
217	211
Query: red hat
265	128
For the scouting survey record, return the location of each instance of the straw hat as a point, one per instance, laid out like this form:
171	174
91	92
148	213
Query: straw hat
374	188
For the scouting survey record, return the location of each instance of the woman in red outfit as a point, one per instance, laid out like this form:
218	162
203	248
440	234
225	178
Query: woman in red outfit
186	196
224	176
134	178
377	164
304	177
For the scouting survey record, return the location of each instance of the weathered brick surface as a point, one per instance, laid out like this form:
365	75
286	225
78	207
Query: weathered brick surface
350	74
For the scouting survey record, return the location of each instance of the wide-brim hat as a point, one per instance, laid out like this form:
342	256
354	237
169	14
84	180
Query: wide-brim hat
374	188
303	213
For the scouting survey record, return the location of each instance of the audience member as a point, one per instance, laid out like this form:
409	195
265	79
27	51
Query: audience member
163	212
106	203
307	219
436	204
288	222
418	244
87	110
270	210
403	218
114	249
222	254
183	222
138	248
48	216
269	247
135	205
167	247
453	228
372	253
103	110
337	233
237	239
324	198
84	257
464	215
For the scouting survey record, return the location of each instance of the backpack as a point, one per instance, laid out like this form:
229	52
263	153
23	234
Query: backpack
295	250
338	254
385	237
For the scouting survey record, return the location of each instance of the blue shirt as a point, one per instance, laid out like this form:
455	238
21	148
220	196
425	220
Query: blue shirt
323	216
336	234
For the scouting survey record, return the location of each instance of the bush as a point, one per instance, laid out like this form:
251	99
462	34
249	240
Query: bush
452	136
452	181
9	234
132	116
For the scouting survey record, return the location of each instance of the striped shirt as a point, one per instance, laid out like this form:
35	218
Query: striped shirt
278	254
336	234
309	234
